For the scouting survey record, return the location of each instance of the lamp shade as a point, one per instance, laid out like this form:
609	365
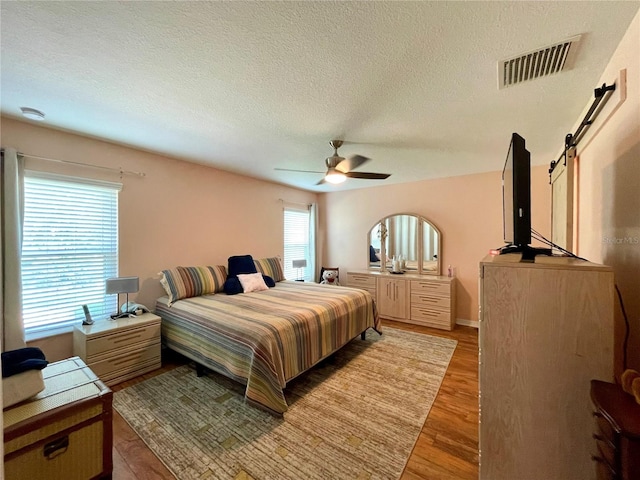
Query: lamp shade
122	285
299	263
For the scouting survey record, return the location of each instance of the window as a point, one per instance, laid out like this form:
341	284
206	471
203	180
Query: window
69	248
298	244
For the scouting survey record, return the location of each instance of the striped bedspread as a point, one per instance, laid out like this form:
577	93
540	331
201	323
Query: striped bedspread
264	339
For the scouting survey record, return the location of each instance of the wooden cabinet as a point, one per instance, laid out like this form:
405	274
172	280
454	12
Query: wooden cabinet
616	432
121	349
392	298
412	298
546	330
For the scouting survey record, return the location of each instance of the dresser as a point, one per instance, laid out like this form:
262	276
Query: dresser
409	297
545	331
117	350
616	434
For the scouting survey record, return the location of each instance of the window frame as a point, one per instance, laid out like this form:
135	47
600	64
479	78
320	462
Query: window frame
95	296
293	253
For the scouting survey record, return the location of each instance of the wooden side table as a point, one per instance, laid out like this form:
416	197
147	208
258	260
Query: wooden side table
117	350
617	434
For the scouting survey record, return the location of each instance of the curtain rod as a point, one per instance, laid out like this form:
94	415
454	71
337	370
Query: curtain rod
111	169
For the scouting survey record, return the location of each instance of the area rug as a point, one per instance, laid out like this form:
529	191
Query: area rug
356	415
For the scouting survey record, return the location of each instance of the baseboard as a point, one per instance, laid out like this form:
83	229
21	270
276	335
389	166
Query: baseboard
467	323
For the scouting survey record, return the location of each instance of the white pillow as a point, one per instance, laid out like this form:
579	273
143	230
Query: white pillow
252	282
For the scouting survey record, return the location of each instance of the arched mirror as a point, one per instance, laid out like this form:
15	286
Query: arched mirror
411	237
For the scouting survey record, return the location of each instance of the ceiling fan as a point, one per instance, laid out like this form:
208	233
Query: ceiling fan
340	168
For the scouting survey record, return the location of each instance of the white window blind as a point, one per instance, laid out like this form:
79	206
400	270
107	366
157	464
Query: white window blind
296	243
69	248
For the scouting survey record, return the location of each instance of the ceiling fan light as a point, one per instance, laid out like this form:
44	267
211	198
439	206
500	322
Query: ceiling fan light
335	177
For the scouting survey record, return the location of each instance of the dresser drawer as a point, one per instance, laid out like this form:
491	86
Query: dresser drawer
603	428
122	339
430	301
605	452
366	282
423	286
126	359
431	317
603	471
123	374
617	433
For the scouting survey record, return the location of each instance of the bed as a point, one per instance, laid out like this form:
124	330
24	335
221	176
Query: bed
265	339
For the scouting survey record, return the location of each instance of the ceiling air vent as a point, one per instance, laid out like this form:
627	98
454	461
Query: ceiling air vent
541	62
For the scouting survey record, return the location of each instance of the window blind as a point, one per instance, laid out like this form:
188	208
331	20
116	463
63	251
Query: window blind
296	243
69	248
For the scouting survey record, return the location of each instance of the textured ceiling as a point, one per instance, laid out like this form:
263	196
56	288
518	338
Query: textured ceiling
250	86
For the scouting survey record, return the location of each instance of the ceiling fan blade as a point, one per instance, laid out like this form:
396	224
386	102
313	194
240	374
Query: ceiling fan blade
351	163
368	175
294	170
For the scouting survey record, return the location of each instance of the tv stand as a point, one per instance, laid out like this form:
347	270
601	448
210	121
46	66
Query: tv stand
528	253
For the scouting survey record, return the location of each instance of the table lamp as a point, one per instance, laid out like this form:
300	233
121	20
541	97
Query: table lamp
120	285
299	264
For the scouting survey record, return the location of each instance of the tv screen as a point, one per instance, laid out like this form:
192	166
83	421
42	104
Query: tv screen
516	194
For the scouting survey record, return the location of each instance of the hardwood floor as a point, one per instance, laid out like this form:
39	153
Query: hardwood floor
447	447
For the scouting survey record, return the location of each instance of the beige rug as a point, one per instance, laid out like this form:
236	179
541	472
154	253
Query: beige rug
357	415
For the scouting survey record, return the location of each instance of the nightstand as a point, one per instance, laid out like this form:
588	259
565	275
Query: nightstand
117	350
617	436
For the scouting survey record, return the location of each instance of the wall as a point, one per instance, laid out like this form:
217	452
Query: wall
466	209
608	198
178	214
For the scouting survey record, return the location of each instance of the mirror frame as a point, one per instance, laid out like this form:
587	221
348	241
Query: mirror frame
420	242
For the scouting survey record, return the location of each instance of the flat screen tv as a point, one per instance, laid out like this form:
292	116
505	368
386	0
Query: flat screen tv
516	202
516	194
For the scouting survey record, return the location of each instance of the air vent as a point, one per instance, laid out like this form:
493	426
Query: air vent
541	62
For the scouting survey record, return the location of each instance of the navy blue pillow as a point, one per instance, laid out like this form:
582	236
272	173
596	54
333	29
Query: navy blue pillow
232	286
238	265
21	360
